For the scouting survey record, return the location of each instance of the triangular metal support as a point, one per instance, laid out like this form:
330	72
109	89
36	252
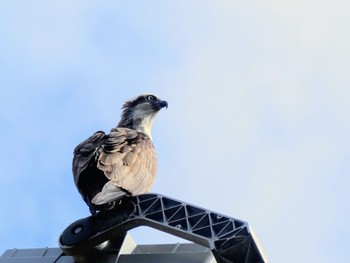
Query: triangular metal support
230	239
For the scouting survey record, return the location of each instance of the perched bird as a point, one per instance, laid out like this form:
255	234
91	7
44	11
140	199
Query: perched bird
107	167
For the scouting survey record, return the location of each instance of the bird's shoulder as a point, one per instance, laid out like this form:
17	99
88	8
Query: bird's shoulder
90	143
119	137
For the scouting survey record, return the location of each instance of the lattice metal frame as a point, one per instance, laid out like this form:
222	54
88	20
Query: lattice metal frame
229	239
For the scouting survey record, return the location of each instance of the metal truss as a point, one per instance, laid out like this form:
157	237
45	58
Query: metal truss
229	239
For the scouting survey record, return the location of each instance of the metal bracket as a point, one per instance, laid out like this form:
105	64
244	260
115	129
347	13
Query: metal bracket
229	239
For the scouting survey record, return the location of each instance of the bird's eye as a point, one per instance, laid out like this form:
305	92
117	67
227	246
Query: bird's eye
150	98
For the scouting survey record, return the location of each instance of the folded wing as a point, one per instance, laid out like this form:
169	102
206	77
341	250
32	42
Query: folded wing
107	167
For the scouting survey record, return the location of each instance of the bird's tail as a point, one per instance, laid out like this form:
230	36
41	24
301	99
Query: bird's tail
108	194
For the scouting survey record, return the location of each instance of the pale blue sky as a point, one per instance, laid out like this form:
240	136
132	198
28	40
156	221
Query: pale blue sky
257	127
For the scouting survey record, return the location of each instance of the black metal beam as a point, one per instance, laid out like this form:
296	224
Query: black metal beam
229	239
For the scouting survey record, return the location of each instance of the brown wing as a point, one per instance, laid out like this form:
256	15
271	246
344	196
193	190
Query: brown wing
84	154
88	179
106	167
128	159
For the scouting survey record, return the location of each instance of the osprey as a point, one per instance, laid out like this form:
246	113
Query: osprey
107	167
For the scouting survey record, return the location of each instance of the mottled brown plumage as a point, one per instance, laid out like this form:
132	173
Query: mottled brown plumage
106	167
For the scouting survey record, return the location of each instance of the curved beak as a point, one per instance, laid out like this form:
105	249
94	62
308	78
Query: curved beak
163	103
159	104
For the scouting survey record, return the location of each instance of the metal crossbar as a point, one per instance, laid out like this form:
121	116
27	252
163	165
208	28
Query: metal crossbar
229	239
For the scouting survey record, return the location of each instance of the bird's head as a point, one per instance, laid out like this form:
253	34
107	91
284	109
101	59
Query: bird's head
139	113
